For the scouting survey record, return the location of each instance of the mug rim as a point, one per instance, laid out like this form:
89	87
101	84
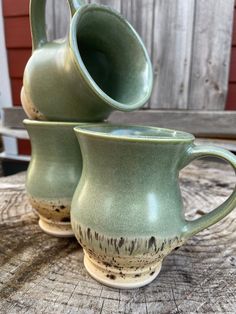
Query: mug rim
175	135
85	73
51	123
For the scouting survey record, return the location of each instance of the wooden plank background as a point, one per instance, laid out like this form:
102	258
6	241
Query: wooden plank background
189	43
231	100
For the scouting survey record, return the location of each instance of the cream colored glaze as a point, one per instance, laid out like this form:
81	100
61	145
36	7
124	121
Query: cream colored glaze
31	111
53	210
120	260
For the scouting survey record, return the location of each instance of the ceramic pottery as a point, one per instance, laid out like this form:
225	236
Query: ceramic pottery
53	173
127	211
101	66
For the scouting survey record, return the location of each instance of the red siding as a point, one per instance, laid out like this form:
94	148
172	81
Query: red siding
24	147
234	29
17	59
15	7
16	85
17	32
232	75
231	103
18	42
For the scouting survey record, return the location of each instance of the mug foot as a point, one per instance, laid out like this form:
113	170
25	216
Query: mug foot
120	280
62	230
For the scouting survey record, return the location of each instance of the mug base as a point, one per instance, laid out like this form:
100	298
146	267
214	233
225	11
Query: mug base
61	230
115	280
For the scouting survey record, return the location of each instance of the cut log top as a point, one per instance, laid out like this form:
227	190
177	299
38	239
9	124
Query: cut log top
42	274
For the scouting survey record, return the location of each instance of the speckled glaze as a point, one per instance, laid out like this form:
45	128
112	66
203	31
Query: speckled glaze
53	173
101	66
127	211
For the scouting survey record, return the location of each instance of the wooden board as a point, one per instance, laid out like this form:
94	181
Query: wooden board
50	19
61	18
229	144
140	14
172	53
13	117
42	274
115	4
203	124
211	54
6	156
206	124
17	133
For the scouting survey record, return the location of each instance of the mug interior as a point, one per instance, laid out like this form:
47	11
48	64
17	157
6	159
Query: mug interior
134	132
113	55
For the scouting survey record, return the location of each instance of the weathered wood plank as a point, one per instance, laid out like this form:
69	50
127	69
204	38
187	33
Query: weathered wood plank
201	123
6	156
50	20
211	54
17	133
140	15
229	144
115	4
42	274
61	18
12	117
172	51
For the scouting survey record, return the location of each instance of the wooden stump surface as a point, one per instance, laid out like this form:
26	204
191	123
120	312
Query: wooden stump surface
42	274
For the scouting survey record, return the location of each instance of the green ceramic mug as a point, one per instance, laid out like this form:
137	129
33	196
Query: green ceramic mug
101	66
53	173
127	211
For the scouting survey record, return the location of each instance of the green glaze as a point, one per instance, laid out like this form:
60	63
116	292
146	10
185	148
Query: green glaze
53	173
127	211
101	66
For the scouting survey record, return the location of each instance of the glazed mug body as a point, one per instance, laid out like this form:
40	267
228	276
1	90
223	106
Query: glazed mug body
53	173
101	66
127	211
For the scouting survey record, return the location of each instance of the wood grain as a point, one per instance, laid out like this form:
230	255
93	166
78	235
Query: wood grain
172	53
61	18
140	14
50	17
41	274
211	54
201	123
13	117
115	4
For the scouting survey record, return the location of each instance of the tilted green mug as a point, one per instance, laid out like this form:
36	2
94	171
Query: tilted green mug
101	66
127	211
53	173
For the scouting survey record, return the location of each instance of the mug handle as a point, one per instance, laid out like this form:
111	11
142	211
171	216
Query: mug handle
195	152
37	20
